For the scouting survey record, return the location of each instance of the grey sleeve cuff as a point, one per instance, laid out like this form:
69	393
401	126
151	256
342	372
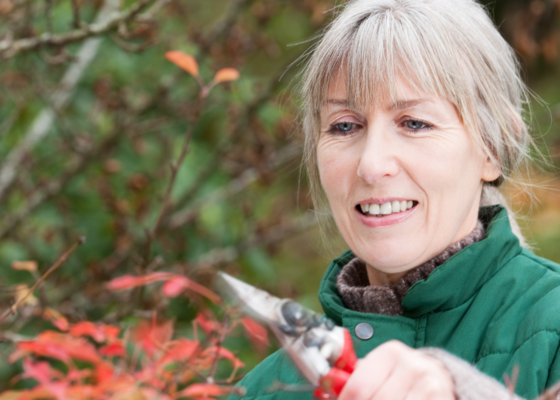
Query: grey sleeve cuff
470	383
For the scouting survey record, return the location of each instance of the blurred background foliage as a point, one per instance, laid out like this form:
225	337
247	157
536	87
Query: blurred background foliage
92	116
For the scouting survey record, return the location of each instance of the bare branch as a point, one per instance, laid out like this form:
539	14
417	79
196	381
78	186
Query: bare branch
551	393
61	260
55	186
275	234
248	177
225	23
76	14
166	203
110	22
48	15
158	5
59	99
214	366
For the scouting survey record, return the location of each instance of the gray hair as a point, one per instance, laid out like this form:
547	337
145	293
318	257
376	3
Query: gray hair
449	48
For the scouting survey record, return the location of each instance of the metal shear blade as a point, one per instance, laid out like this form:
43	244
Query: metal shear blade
267	308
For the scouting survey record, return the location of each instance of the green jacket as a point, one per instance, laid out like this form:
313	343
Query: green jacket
493	304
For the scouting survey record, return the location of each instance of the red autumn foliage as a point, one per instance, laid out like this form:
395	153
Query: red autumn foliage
174	284
155	366
90	360
203	390
185	61
226	74
255	331
98	332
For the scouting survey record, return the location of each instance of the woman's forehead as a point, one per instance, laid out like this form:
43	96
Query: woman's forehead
401	94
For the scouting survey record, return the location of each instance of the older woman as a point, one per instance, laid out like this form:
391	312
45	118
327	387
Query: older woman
412	120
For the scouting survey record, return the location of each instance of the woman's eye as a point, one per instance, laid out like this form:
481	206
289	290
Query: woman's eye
343	127
416	125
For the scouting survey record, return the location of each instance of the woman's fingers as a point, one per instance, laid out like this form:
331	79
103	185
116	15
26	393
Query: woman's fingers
431	388
372	372
369	375
397	386
394	371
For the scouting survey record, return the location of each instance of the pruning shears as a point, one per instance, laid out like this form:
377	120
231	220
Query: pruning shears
322	351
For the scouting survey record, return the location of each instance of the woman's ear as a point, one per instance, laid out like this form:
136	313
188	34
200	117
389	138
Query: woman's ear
490	171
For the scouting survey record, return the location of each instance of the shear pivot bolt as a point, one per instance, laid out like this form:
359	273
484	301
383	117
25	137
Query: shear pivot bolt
364	331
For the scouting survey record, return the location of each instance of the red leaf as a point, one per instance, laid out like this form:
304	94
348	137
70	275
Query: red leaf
203	390
78	374
40	349
87	328
59	346
104	372
111	332
255	331
179	350
124	282
207	324
56	318
176	285
185	61
43	373
113	350
224	353
128	281
226	74
98	332
40	371
152	336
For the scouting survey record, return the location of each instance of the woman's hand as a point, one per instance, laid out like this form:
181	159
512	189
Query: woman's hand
394	371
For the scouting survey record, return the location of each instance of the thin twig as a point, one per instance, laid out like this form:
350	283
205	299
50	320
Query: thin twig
166	203
48	15
248	177
214	366
225	23
61	260
76	14
10	48
59	99
551	393
55	186
274	234
149	14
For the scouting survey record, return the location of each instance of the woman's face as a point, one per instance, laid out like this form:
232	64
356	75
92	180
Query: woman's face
412	165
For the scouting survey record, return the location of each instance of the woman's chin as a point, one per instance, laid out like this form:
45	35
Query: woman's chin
392	256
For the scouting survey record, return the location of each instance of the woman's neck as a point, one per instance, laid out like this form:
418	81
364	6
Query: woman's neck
379	278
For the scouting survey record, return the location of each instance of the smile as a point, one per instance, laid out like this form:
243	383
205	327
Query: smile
387	208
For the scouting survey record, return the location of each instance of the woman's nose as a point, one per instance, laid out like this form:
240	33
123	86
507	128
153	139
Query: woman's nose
379	158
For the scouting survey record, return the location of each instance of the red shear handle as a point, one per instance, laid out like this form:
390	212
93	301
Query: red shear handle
332	384
347	360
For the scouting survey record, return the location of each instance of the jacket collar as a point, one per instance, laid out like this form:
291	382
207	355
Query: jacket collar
449	285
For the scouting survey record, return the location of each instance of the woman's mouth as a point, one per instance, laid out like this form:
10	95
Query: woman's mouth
387	208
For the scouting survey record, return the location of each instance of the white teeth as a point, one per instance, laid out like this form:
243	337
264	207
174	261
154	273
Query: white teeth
386	208
391	207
